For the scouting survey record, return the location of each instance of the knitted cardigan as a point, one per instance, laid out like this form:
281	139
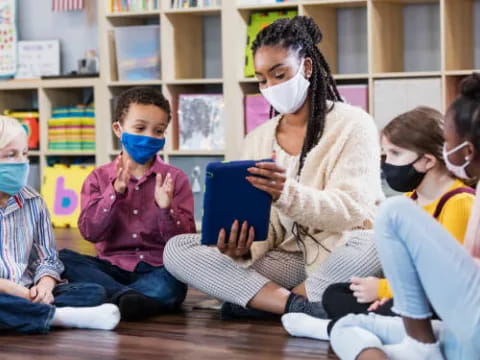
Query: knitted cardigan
339	186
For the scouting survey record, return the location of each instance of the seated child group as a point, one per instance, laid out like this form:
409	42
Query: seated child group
379	278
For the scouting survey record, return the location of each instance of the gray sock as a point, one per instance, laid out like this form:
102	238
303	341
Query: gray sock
300	304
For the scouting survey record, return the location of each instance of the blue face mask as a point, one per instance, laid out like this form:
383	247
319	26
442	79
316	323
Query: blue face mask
13	177
141	148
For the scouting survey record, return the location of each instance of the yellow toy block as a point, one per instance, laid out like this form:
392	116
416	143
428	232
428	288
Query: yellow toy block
61	189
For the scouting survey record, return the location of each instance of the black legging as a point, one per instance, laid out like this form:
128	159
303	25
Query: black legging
338	301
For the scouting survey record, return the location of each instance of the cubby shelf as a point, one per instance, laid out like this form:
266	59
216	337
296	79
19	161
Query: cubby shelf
366	42
214	10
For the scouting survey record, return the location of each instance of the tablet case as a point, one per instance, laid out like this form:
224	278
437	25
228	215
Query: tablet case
229	197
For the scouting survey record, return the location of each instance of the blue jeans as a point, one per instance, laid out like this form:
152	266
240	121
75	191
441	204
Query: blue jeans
426	268
19	314
151	281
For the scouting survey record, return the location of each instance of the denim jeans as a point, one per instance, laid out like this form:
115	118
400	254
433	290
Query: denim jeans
154	282
426	268
22	315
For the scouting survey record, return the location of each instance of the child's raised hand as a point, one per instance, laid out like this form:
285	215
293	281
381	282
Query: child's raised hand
123	175
365	289
164	191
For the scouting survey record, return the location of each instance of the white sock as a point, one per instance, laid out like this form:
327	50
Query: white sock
103	317
303	325
410	348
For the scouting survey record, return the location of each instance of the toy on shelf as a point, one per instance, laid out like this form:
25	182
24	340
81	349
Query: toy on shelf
29	120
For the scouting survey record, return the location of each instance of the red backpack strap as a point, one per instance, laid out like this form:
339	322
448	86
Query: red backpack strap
448	196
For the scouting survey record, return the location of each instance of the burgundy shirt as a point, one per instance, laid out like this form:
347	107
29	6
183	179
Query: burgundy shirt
130	228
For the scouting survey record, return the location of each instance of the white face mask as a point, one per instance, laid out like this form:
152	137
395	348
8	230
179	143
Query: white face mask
290	95
458	170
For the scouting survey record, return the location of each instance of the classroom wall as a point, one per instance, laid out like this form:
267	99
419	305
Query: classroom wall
37	21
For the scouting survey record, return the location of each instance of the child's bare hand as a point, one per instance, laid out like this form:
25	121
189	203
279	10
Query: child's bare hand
164	191
123	175
41	294
377	304
365	289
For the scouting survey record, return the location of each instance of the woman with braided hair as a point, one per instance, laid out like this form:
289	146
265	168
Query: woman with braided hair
325	185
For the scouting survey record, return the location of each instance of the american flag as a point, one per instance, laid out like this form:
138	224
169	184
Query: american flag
68	5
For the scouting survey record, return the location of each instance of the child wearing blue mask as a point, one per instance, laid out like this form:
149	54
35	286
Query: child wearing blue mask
33	298
130	209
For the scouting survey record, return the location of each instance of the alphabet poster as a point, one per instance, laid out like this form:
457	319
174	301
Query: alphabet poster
61	190
8	38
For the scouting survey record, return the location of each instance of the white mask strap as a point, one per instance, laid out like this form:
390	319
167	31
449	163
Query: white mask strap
454	150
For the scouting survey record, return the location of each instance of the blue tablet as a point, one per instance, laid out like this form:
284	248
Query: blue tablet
229	197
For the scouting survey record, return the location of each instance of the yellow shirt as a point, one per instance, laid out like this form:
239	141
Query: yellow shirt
454	217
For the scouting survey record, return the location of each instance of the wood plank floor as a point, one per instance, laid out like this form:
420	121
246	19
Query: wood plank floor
187	335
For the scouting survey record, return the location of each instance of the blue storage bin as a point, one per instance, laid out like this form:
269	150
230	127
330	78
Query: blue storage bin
138	52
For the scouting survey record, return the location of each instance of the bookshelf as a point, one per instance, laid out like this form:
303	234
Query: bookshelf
203	51
45	95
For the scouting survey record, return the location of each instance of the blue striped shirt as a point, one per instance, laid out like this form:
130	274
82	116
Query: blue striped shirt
27	243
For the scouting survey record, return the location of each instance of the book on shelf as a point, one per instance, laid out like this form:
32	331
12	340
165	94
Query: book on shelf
200	122
187	4
356	95
72	129
257	21
133	5
263	2
137	50
257	111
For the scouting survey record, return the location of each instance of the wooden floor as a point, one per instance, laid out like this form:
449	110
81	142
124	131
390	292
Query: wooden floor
189	335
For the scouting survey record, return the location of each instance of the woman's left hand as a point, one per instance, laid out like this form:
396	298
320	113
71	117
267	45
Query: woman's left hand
272	180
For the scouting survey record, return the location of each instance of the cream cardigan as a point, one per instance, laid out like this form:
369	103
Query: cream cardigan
339	186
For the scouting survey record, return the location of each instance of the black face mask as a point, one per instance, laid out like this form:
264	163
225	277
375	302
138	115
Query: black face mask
402	178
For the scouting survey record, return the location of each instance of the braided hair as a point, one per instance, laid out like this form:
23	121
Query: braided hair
302	35
466	110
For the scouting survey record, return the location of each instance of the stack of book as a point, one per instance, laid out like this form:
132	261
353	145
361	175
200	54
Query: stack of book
72	129
185	4
133	5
